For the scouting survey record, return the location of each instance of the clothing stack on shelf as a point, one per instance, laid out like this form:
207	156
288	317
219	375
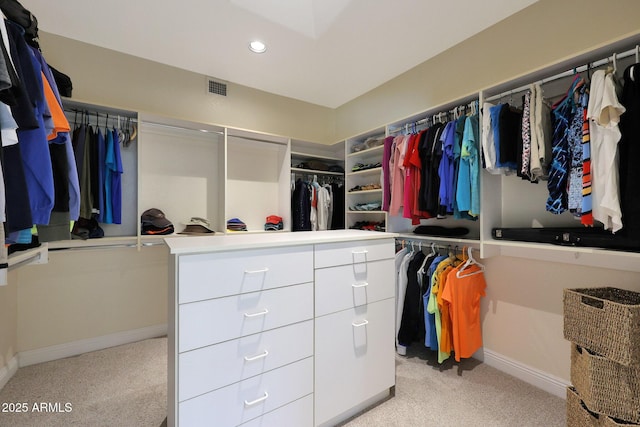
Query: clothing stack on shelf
581	145
273	223
434	172
317	206
438	301
602	325
236	224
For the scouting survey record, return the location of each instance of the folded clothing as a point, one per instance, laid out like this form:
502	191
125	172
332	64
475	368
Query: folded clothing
371	206
236	224
273	223
197	225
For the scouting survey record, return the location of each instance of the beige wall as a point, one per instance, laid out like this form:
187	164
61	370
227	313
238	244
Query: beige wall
8	320
522	314
545	33
106	77
84	294
88	293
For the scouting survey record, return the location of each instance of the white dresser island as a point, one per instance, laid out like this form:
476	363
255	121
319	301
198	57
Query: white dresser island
279	329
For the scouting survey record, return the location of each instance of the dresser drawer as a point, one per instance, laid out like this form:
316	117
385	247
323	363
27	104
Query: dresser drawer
354	359
213	275
332	254
216	366
348	286
209	322
298	414
249	399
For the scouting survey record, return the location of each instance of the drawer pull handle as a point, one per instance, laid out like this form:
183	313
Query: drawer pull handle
258	400
263	270
360	252
360	285
256	357
357	325
260	313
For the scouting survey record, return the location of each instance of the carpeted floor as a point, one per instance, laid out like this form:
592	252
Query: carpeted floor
465	394
125	386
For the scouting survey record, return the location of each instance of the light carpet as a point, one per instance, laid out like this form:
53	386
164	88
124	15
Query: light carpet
125	386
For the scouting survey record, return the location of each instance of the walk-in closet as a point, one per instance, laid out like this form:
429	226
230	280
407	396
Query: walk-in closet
383	210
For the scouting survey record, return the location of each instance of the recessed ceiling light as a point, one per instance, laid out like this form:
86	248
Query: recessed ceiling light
257	46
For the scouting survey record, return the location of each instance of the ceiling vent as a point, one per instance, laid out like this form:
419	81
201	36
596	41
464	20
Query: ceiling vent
216	88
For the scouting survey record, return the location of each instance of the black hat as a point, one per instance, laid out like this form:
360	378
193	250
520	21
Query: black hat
155	217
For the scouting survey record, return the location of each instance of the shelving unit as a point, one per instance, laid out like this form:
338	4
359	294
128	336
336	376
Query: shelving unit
365	156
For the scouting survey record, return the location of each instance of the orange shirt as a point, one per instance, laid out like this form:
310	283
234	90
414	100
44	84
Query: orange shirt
463	295
60	122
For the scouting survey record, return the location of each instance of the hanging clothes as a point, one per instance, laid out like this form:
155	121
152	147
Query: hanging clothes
575	145
563	112
463	293
629	151
301	202
604	112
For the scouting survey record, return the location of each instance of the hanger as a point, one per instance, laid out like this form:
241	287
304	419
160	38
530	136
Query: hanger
470	261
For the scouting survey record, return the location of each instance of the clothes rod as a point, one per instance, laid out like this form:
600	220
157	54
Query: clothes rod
608	60
438	117
99	113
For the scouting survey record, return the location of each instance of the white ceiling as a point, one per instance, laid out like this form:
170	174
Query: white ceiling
326	52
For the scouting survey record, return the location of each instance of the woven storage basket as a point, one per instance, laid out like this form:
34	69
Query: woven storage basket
605	386
579	415
604	320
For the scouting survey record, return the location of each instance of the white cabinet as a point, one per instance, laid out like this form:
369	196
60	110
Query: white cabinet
265	328
352	345
354	335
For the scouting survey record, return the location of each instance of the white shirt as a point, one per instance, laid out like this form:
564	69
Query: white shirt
604	113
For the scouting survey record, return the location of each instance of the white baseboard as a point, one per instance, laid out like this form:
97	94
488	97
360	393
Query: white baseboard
74	348
7	371
549	383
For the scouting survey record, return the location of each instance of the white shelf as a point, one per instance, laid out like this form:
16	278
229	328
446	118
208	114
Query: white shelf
376	190
309	156
373	150
364	212
365	171
316	172
587	256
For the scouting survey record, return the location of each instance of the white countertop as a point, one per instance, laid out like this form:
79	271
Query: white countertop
239	241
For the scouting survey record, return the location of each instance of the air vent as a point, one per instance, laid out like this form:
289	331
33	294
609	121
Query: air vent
217	88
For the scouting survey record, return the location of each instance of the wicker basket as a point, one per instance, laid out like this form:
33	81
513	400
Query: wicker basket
578	415
604	320
605	386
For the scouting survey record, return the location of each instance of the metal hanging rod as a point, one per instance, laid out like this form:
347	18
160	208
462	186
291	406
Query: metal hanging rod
605	61
438	117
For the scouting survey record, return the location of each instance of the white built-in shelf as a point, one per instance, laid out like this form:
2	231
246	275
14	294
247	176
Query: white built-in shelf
309	156
317	172
587	256
365	171
374	150
364	212
376	190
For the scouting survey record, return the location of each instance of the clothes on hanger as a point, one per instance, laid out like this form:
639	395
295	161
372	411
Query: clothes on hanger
422	169
316	206
438	301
